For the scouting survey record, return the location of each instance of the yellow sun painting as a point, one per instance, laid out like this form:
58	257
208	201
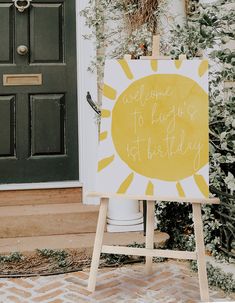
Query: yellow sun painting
154	128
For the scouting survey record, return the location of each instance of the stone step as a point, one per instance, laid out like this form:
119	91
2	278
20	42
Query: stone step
83	242
40	196
47	220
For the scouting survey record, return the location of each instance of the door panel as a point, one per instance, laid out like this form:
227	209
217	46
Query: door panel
48	123
46	45
6	32
7	126
38	123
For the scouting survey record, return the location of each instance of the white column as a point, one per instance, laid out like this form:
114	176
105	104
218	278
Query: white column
173	13
123	214
177	13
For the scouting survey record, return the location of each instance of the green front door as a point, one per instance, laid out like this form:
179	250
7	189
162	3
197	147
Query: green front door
38	98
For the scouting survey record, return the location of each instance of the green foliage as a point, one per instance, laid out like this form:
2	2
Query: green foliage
13	257
174	219
206	32
113	24
58	255
217	278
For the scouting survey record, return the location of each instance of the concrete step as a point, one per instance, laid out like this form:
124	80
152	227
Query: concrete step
40	196
83	242
47	220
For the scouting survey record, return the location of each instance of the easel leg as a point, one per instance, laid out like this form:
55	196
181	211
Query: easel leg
200	249
98	243
149	235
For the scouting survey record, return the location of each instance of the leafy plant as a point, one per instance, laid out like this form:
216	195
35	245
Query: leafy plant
13	257
58	255
207	30
121	27
217	278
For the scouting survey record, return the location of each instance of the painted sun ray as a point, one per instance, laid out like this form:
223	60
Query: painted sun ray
178	63
202	185
180	190
125	184
126	68
105	113
103	135
150	189
203	67
109	92
154	65
105	162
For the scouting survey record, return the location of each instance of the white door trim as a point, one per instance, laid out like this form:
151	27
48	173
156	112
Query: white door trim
88	130
40	185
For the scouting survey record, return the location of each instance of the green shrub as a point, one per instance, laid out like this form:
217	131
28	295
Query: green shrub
217	278
13	257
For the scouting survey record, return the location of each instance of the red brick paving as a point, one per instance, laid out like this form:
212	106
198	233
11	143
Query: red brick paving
172	282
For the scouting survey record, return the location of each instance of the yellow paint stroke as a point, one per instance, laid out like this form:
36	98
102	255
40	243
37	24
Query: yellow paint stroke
126	68
203	67
154	65
103	136
178	63
105	162
109	92
105	113
180	190
125	184
202	185
149	189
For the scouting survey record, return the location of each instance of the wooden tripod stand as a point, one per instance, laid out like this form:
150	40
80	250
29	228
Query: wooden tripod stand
148	251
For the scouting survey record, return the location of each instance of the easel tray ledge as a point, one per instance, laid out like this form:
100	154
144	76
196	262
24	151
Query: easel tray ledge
154	198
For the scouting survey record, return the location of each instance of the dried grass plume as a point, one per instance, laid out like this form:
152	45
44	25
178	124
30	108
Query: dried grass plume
143	12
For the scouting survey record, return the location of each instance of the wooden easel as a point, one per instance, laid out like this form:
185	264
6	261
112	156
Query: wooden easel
149	252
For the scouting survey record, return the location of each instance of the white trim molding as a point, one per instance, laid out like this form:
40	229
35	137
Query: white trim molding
40	185
87	129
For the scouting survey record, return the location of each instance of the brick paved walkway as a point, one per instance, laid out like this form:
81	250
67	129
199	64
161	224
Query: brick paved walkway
172	282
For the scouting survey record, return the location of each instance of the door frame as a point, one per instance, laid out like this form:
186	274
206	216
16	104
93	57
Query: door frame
87	128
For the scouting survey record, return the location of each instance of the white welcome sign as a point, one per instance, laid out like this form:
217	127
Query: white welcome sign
154	128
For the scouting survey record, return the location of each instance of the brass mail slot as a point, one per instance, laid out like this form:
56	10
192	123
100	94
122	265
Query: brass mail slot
22	79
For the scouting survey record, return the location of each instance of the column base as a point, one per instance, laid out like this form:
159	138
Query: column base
124	228
124	216
137	219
